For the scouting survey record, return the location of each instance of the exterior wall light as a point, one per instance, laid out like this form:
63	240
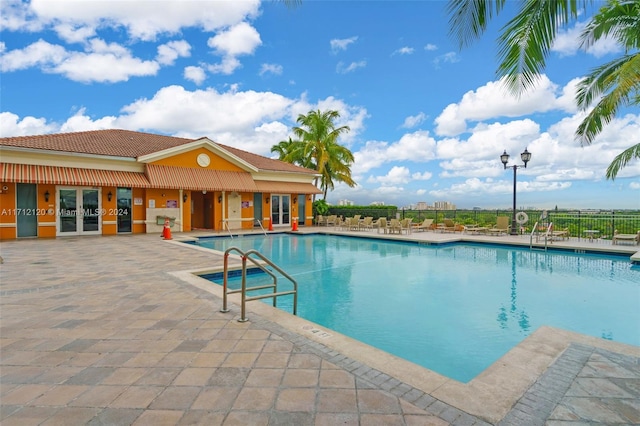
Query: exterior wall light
46	195
109	196
219	199
184	197
266	200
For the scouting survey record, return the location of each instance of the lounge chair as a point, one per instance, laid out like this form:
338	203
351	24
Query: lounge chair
474	229
424	226
559	234
331	220
502	226
629	238
394	226
405	225
382	224
320	220
366	224
447	225
351	224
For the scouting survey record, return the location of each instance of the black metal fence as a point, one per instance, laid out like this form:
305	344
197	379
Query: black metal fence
579	223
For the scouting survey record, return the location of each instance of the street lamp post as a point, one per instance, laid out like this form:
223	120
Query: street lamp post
525	156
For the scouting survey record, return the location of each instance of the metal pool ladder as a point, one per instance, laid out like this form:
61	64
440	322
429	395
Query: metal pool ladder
262	265
546	236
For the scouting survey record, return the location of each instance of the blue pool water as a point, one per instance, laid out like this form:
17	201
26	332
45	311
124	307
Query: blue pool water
453	308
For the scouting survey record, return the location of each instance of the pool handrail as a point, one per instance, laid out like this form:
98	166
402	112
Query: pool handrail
534	231
243	290
264	231
225	224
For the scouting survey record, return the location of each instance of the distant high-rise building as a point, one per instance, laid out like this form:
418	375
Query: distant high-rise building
345	203
377	203
444	205
422	205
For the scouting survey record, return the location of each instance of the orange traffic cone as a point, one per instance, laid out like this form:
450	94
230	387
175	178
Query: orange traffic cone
166	231
295	224
270	225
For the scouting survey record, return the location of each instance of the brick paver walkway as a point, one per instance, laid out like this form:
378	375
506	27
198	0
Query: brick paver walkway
94	330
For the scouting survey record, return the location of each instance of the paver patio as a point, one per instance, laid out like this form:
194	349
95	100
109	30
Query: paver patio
102	330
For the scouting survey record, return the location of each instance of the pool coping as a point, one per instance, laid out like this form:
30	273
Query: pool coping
489	396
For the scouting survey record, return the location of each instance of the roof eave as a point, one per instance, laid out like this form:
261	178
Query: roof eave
65	153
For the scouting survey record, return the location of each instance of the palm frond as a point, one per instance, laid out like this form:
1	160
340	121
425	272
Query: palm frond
619	20
618	82
526	40
622	160
468	19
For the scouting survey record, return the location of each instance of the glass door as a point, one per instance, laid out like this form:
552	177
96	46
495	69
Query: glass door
27	208
90	210
123	198
79	211
280	209
67	211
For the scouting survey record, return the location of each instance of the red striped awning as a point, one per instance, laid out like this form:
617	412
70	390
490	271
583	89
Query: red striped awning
287	187
55	175
199	179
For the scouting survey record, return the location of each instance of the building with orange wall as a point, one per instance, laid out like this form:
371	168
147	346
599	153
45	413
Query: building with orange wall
108	182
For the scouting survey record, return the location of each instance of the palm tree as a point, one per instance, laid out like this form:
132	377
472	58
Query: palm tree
526	40
318	149
291	151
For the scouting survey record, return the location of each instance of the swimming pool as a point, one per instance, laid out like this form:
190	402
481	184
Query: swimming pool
453	308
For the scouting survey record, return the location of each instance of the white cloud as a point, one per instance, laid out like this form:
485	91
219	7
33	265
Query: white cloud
228	65
241	39
414	120
108	66
494	100
141	20
12	125
195	74
415	147
404	51
341	68
449	57
81	122
102	62
75	33
40	53
399	175
430	47
479	188
169	52
341	44
567	43
271	69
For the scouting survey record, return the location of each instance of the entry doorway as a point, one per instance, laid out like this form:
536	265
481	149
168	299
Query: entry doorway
302	208
27	209
234	208
280	209
123	198
202	210
79	211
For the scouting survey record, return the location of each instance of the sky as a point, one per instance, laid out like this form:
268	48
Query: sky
428	121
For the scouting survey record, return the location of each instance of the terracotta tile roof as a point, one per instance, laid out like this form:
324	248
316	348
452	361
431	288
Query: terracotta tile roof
127	143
